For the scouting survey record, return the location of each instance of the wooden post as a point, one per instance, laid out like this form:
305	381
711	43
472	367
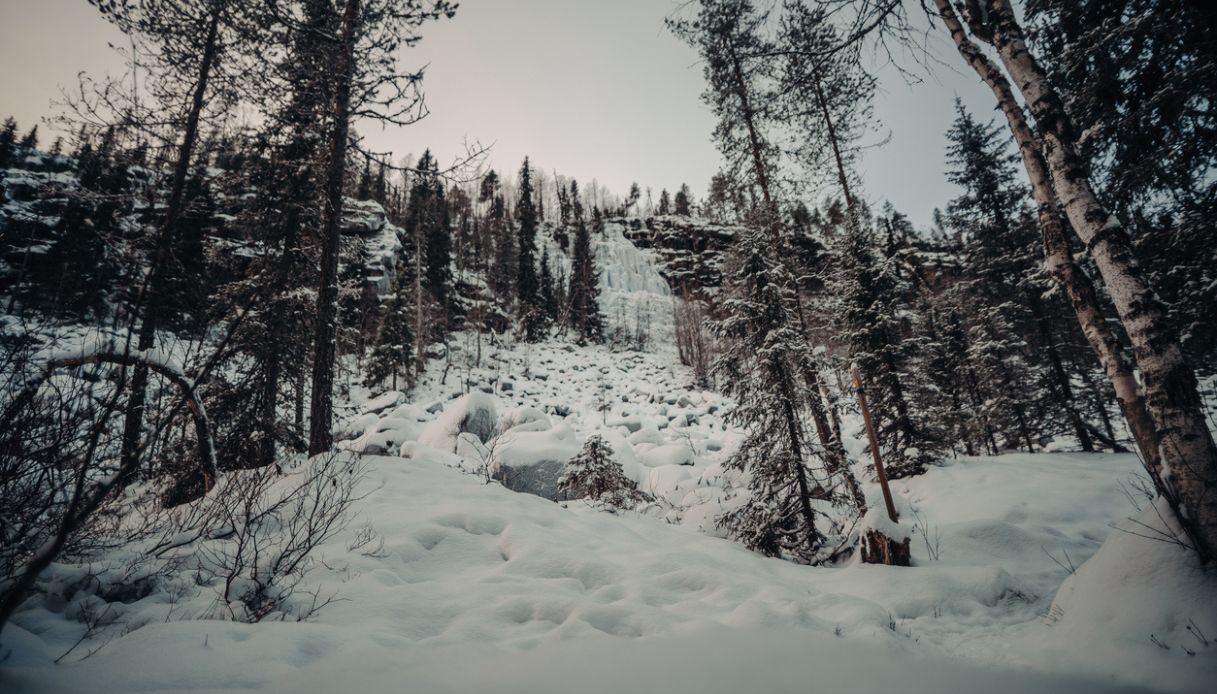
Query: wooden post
874	443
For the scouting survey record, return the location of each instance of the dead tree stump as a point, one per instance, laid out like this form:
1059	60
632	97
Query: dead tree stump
878	548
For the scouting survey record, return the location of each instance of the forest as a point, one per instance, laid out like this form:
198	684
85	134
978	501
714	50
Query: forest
466	422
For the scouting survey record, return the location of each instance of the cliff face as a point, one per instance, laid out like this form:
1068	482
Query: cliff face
691	251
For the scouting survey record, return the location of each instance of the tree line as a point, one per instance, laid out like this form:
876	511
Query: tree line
1028	312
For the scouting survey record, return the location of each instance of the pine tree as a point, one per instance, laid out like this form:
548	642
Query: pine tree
272	352
549	301
869	309
1012	327
83	264
584	292
665	203
8	140
531	313
760	370
391	355
428	217
504	266
187	285
684	201
595	475
631	200
29	143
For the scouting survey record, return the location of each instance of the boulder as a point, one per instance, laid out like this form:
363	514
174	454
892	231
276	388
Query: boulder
539	479
473	414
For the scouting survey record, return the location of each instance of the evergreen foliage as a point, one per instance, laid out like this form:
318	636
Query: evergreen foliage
584	293
595	475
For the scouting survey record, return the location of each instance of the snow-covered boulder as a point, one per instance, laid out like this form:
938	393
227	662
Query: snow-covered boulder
383	402
667	482
524	418
386	436
531	461
647	434
669	454
473	413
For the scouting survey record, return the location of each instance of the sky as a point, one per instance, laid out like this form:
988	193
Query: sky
592	89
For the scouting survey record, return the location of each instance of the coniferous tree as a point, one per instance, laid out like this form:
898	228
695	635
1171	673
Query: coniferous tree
391	355
428	214
999	243
665	203
595	475
527	284
549	299
29	143
684	201
760	370
8	140
504	266
584	293
868	311
187	284
1151	146
365	82
272	350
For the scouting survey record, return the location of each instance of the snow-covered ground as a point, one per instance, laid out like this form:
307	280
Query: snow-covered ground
480	588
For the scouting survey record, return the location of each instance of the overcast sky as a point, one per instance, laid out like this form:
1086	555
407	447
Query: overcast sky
590	88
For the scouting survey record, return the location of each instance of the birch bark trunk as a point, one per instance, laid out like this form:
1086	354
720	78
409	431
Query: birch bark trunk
1168	423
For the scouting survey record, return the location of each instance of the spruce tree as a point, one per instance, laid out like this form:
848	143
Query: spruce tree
595	475
526	215
391	355
29	143
549	302
532	315
1019	361
665	203
760	370
584	293
428	218
684	201
8	140
869	311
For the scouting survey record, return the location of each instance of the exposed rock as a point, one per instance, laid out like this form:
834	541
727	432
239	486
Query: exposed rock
540	479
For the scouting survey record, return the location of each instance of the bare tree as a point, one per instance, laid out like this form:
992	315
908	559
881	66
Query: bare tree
366	84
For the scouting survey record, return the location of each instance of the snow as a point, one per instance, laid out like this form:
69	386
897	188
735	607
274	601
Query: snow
479	588
536	594
473	413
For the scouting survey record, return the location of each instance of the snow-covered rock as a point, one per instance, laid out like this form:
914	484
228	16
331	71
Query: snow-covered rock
473	413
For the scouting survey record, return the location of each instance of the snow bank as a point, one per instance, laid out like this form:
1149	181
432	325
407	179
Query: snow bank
1153	603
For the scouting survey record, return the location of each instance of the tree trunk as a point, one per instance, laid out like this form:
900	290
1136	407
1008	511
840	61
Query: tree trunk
842	179
800	469
1171	391
273	345
321	412
133	420
419	341
835	457
1168	424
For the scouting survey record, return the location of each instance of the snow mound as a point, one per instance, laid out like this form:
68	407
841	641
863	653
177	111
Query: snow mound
1152	600
473	413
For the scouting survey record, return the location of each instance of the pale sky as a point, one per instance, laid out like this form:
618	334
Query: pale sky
589	88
